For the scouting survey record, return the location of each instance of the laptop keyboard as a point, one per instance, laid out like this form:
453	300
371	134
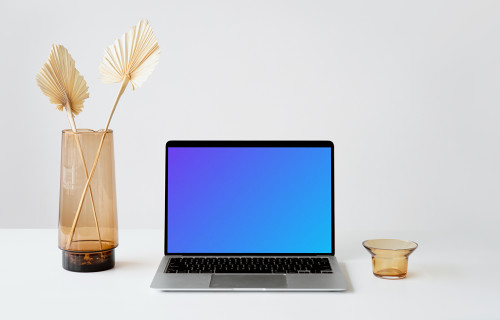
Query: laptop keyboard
248	265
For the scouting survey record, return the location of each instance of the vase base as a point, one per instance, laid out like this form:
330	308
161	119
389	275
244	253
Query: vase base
88	261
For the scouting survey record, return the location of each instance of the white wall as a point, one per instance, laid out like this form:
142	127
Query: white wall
407	90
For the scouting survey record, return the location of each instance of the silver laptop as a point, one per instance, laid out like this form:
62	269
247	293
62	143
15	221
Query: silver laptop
249	216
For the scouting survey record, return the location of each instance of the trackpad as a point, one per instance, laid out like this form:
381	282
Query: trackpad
248	281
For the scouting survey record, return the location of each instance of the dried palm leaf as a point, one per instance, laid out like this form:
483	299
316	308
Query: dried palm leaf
132	58
62	83
66	88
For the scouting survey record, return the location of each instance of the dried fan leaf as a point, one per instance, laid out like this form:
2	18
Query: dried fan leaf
133	56
61	82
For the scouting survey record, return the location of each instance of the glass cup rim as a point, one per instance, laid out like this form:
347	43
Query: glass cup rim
86	131
411	245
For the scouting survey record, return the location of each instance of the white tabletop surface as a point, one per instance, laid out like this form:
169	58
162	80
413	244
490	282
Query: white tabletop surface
449	278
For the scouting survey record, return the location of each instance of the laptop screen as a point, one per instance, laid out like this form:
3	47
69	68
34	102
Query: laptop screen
249	199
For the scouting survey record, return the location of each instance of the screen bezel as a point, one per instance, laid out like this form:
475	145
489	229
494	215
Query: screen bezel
246	144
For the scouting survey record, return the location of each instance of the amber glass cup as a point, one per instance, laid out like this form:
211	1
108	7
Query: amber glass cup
390	257
88	240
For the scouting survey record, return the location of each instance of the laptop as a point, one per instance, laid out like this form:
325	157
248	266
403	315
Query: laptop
249	216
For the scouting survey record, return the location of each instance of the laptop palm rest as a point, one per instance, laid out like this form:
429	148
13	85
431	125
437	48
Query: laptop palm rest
248	281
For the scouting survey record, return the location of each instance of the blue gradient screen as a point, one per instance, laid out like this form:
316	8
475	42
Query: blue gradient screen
249	200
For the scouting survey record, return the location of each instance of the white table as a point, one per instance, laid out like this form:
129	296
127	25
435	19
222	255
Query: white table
444	282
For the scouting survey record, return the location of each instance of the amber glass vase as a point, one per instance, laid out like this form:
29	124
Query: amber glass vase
88	240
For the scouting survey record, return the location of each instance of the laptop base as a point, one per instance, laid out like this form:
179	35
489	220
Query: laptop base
248	282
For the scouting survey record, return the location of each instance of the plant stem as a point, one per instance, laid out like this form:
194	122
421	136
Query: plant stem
77	139
79	210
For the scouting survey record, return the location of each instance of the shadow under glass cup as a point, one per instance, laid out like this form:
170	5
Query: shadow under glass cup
390	257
